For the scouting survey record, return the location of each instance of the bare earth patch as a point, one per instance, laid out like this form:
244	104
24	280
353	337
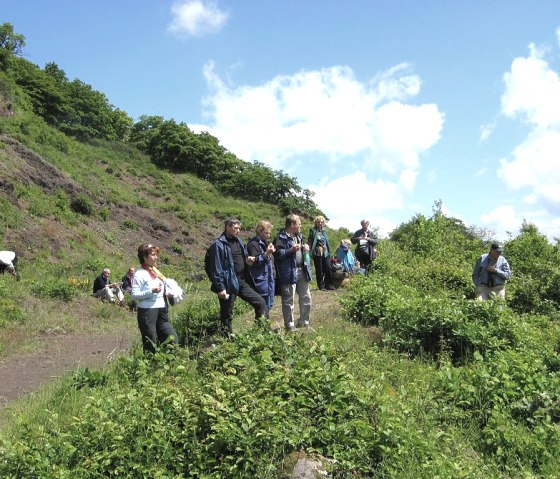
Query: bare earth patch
24	374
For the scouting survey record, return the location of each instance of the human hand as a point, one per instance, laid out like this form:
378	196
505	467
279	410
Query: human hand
250	260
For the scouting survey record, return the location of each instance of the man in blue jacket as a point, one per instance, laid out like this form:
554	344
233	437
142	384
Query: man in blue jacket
228	261
294	272
490	274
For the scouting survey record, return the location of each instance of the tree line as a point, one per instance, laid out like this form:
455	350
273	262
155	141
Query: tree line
81	112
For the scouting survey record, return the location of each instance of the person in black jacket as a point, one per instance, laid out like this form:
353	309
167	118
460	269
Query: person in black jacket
103	287
365	241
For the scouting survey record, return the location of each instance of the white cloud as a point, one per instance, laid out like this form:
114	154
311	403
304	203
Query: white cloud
196	18
326	114
349	199
501	220
532	94
507	219
532	91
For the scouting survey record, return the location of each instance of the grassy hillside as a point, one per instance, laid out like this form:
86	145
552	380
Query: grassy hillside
403	375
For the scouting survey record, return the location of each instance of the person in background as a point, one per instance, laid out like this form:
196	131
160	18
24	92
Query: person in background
262	270
103	287
365	241
490	273
349	262
228	261
8	262
320	250
148	290
127	280
294	273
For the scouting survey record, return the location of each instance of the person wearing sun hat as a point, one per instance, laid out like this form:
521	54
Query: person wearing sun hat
490	274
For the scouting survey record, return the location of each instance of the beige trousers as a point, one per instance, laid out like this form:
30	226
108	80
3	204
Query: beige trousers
485	292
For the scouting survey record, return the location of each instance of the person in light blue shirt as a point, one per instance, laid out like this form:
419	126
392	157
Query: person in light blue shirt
490	274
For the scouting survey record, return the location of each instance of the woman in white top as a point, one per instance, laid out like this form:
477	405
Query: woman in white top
149	291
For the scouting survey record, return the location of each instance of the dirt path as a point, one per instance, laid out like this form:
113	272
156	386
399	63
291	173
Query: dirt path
24	374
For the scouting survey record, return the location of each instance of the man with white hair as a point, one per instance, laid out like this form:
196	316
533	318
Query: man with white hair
104	289
8	262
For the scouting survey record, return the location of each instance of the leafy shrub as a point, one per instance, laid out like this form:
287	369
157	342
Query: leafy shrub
426	324
199	319
514	400
104	213
55	288
82	204
130	224
10	312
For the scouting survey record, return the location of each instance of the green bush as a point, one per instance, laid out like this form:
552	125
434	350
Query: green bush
54	288
82	204
425	324
10	312
514	400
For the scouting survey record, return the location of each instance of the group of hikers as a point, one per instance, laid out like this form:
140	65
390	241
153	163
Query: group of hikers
259	271
282	267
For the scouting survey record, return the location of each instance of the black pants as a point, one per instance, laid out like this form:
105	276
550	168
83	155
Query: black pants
155	328
323	271
246	293
365	261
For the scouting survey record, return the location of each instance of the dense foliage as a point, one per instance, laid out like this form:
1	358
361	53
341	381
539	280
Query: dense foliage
499	362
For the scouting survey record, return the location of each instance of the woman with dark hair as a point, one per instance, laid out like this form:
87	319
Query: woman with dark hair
321	252
148	290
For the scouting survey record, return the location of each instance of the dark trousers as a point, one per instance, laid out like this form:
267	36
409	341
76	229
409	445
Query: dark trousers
246	293
323	271
155	328
365	261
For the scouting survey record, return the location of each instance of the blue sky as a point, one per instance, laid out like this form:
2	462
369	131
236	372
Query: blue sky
380	107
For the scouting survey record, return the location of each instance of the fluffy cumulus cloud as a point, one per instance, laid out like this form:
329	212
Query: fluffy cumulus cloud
351	198
501	220
323	120
196	18
532	95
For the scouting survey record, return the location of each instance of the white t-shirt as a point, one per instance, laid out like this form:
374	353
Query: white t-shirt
142	286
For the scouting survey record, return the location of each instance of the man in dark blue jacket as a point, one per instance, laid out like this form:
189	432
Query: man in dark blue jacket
228	260
294	272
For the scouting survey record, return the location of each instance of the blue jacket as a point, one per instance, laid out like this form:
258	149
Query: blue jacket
481	276
262	270
286	260
222	267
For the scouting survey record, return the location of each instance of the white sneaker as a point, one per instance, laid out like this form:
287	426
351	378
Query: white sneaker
303	324
291	327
